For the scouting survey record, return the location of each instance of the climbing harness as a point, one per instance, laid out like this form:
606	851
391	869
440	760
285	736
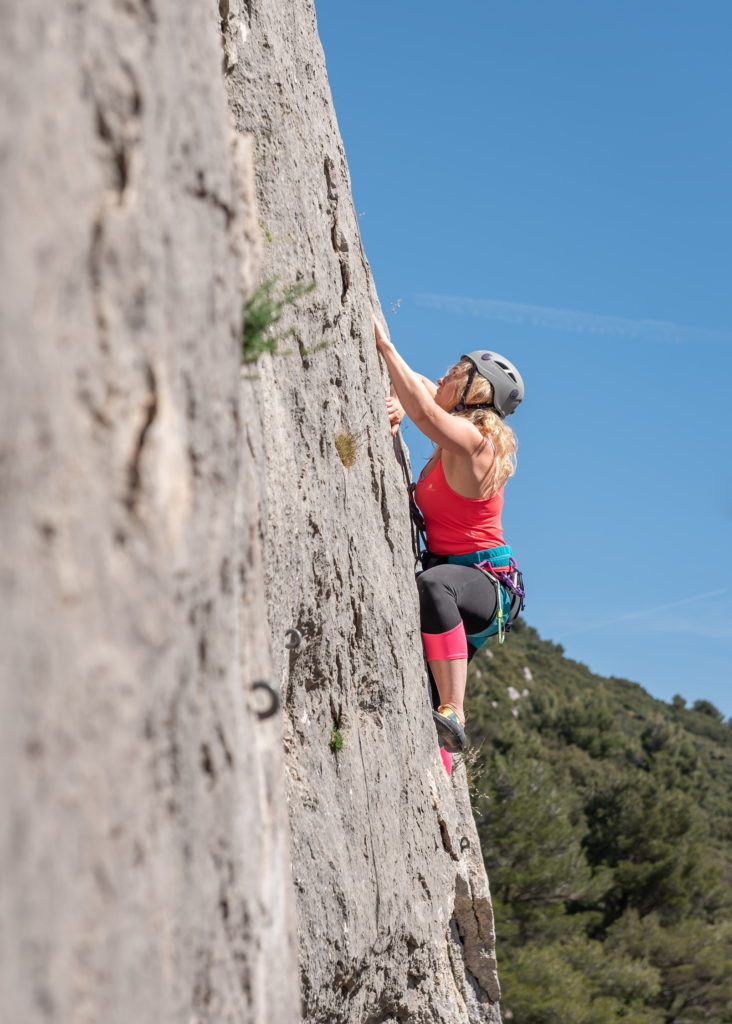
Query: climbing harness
499	566
509	601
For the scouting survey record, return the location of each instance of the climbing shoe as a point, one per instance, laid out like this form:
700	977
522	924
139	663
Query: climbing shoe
450	730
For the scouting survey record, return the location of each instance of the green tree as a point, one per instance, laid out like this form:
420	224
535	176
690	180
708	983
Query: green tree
653	839
693	960
531	831
705	707
576	982
605	817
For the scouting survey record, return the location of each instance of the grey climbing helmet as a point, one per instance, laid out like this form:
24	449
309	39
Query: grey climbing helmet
508	384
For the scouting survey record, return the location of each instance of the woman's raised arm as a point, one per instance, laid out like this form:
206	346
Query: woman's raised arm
451	433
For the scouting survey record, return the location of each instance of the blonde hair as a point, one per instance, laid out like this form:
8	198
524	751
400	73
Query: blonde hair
488	422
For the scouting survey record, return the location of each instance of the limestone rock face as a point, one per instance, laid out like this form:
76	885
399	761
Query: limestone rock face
144	857
184	541
394	913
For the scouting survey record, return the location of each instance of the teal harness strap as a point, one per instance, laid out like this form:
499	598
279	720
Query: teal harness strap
498	558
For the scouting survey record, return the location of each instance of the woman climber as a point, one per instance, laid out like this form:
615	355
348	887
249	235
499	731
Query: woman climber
470	588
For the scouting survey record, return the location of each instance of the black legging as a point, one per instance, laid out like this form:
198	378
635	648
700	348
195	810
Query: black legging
449	594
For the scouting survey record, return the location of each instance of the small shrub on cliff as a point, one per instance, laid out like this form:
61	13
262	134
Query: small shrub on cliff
347	444
262	311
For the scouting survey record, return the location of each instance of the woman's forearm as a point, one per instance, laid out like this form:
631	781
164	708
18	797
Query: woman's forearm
411	390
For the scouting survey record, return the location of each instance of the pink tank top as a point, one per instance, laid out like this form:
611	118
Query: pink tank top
456	525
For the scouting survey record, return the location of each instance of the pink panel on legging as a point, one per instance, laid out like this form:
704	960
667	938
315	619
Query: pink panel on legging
449	646
446	760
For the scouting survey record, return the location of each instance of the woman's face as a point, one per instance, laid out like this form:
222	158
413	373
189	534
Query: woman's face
449	388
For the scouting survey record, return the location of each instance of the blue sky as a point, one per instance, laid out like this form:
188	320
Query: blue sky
553	181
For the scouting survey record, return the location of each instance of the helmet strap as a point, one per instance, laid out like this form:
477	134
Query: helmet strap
468	384
462	404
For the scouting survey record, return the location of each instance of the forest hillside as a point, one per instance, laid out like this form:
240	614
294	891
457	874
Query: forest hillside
605	817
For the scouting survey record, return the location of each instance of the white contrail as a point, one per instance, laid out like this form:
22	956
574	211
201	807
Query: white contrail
629	616
571	320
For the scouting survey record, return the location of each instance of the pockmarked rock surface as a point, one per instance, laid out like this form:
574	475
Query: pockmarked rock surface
167	518
394	912
144	852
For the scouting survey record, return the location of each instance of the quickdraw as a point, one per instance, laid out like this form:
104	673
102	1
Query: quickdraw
508	576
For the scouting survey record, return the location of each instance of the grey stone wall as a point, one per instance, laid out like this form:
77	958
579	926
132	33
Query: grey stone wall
144	855
166	517
394	913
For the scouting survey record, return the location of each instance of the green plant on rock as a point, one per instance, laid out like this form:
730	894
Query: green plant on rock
336	740
262	311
